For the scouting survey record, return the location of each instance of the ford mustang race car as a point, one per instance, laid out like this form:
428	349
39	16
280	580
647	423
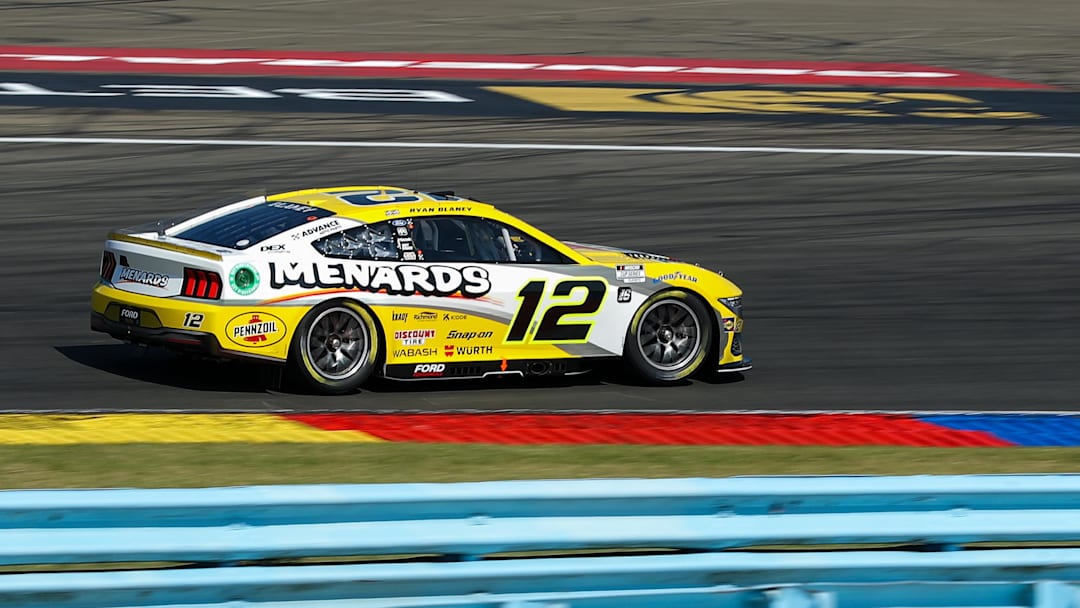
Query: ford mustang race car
340	284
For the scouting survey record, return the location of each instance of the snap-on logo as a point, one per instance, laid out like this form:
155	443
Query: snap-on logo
255	329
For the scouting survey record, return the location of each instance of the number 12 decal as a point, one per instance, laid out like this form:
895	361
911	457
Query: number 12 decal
550	329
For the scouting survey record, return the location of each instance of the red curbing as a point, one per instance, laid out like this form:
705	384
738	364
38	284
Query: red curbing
655	429
537	68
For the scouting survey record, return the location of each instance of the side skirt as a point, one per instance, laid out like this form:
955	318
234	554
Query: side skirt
483	369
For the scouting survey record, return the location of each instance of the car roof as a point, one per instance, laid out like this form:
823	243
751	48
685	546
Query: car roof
376	203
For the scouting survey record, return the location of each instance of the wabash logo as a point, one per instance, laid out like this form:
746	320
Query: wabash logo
426	352
255	329
429	370
398	279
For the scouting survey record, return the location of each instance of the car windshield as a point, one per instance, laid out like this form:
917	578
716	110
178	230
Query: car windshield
245	227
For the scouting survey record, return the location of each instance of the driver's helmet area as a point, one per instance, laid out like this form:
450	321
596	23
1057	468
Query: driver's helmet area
473	239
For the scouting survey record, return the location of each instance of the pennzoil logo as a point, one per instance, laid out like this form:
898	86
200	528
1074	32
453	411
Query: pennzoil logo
255	329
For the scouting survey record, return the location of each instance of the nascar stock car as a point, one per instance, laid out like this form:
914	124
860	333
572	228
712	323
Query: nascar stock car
340	284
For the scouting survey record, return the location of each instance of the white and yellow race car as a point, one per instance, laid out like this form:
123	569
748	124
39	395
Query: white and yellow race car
344	283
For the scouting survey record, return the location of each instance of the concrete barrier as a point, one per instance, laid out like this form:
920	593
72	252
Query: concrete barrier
782	542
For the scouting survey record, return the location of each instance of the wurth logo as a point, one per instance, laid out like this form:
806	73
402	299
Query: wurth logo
475	350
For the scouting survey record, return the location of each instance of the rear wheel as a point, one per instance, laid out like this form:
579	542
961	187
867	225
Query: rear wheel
335	347
669	337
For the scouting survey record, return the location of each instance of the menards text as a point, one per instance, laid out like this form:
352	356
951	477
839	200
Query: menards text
398	279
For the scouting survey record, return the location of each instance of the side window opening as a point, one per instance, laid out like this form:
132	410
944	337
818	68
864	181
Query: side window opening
368	242
474	239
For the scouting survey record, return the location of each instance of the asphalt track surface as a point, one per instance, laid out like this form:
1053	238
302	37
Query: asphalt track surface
872	282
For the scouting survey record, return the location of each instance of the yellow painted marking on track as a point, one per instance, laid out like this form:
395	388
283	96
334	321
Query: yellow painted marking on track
62	429
762	102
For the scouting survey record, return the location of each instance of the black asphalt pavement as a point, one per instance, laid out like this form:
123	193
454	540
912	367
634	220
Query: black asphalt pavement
873	282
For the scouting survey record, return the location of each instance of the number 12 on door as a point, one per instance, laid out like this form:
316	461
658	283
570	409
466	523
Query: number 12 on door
580	298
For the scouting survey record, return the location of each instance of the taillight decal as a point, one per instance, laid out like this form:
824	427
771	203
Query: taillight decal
215	286
108	265
189	282
203	284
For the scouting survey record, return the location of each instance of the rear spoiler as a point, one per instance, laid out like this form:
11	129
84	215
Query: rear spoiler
138	240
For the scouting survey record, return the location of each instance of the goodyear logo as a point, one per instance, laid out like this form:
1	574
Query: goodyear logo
255	329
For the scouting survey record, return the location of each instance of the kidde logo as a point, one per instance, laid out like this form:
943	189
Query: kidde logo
255	329
429	370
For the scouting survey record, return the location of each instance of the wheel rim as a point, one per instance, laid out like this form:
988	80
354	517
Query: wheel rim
669	335
336	343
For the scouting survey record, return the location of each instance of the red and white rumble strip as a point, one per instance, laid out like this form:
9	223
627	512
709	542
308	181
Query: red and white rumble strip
492	67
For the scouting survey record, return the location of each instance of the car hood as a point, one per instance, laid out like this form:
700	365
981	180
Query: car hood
615	255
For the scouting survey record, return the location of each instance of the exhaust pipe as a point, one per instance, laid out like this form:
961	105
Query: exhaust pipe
539	368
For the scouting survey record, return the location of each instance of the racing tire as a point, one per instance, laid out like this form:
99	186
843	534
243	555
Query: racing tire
669	337
335	348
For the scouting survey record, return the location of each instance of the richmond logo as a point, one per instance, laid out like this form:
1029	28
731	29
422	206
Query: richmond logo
399	279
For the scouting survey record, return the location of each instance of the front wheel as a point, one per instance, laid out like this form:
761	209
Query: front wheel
335	347
669	337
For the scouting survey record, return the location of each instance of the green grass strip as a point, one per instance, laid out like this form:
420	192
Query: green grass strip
204	465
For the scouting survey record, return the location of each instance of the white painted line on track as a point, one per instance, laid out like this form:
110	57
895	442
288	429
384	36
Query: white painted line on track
527	146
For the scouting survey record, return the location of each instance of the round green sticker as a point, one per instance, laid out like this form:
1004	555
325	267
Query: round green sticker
244	279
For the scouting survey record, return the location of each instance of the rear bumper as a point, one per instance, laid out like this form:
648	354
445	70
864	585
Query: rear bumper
191	341
169	322
195	342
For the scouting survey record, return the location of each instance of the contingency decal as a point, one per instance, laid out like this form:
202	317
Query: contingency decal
255	329
244	279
